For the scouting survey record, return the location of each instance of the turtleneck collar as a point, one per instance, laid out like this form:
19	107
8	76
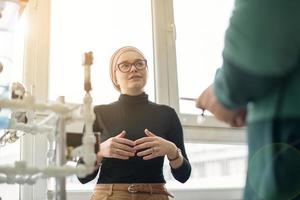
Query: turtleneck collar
139	99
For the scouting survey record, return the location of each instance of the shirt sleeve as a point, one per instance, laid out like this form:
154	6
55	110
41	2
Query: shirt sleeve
89	177
261	49
182	173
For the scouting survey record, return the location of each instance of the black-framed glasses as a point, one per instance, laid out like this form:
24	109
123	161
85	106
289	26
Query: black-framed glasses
126	66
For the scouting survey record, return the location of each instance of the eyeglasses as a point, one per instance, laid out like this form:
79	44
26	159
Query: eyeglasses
126	66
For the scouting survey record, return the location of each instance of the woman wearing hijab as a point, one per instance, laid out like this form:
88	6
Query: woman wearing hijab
136	135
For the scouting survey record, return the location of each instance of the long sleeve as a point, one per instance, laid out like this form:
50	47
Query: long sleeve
182	173
261	49
89	177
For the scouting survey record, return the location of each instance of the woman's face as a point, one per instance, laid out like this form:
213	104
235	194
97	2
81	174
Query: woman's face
131	73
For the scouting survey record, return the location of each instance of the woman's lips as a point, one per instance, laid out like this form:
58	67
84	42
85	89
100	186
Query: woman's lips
135	77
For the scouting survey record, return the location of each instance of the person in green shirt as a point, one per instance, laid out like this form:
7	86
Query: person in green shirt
258	85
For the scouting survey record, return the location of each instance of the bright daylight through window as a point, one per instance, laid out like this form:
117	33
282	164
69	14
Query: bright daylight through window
199	45
102	31
214	166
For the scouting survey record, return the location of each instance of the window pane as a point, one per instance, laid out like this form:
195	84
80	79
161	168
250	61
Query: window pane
213	166
98	26
199	45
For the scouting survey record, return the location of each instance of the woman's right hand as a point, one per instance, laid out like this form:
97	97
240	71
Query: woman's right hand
116	147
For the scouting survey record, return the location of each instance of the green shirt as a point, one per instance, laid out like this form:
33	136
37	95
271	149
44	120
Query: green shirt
261	67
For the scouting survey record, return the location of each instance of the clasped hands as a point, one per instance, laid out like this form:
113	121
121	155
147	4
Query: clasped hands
148	147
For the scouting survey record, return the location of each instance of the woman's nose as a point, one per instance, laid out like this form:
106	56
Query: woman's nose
133	68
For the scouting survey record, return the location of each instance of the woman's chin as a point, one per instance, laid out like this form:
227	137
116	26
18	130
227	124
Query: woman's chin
136	86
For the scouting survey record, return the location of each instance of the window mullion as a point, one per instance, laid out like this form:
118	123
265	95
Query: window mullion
164	53
36	55
36	58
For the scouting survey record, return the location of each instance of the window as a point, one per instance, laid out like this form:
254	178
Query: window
104	26
199	45
101	27
213	166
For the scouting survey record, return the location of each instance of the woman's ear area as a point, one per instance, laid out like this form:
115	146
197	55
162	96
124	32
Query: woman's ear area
116	81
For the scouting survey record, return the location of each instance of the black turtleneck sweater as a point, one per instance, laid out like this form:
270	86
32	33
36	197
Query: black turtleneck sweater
134	114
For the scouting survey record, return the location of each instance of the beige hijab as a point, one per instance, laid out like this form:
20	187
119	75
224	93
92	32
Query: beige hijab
114	60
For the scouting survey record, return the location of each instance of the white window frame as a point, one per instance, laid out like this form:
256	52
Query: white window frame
36	62
36	59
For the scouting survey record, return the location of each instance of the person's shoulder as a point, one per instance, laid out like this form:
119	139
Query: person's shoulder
103	107
163	107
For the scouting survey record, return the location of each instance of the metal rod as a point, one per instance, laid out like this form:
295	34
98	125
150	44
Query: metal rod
60	186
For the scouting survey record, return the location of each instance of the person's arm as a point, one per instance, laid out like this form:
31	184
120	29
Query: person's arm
180	167
261	48
91	176
208	101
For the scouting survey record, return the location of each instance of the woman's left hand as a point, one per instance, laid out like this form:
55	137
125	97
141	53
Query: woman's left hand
154	146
